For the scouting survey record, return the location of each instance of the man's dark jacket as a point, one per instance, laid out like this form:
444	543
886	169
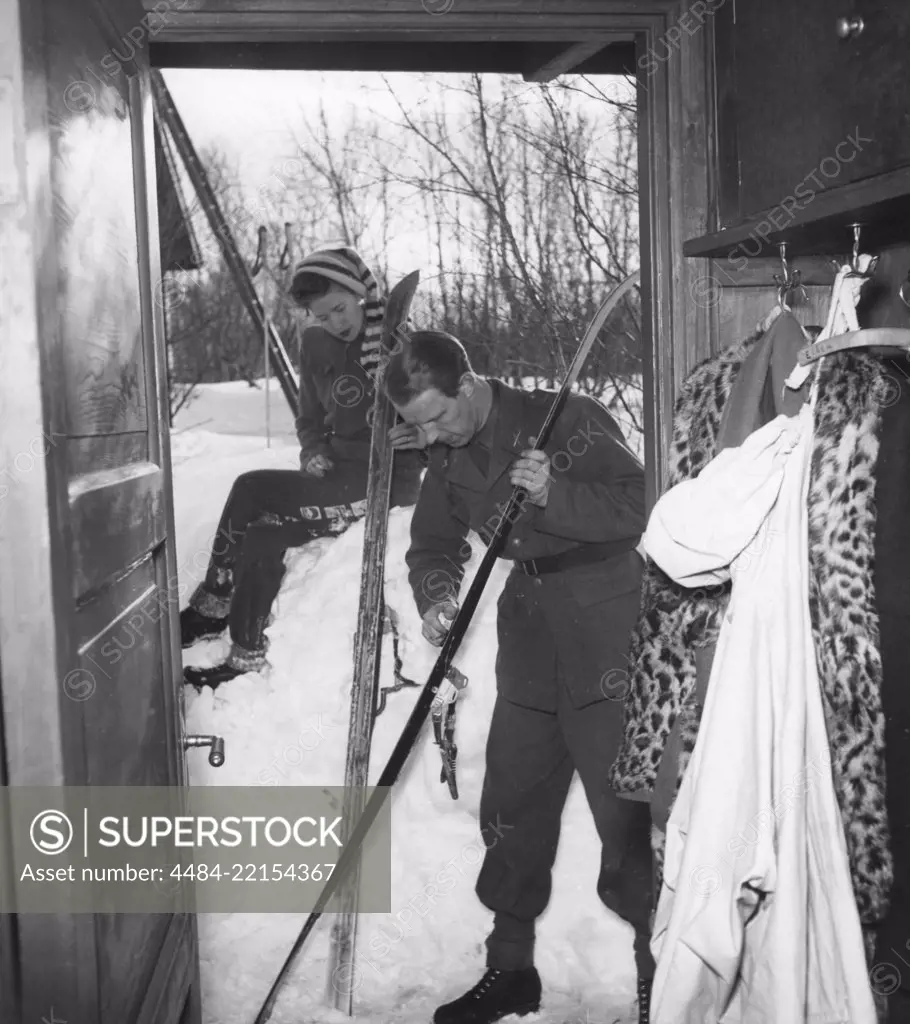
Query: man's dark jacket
597	496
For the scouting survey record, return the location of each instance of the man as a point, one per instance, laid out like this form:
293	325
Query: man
565	617
271	510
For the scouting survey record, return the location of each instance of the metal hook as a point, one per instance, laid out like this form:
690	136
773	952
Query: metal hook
854	259
788	281
261	250
284	260
783	279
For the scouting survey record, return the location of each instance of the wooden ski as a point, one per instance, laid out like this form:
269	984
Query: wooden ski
367	643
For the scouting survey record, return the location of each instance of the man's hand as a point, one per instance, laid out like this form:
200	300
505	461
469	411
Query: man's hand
407	435
532	472
319	465
433	629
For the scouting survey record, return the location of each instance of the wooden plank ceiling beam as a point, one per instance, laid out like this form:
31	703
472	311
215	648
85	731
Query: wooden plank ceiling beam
550	21
568	59
504	57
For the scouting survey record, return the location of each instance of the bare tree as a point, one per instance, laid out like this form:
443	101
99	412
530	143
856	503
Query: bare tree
540	183
526	198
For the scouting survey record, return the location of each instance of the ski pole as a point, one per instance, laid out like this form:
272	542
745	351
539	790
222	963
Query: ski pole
409	734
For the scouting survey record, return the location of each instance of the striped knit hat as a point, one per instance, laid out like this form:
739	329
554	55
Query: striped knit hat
344	266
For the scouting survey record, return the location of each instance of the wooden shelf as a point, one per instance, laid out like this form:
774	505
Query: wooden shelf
822	226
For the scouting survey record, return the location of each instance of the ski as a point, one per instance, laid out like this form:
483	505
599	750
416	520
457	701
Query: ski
443	664
280	361
368	638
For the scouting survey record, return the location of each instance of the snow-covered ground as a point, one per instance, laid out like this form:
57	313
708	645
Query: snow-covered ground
289	727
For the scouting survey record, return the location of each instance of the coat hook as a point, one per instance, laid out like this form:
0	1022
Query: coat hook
854	261
788	281
783	279
855	258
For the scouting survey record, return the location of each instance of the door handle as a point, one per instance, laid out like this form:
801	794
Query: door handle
850	28
216	755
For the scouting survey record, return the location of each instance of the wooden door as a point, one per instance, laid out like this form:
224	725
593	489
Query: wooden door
88	601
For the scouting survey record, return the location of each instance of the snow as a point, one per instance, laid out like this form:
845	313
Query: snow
288	726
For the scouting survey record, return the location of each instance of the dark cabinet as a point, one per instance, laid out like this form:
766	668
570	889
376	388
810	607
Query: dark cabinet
801	109
806	114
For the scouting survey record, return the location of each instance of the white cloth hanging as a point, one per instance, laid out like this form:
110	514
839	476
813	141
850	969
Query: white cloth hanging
756	921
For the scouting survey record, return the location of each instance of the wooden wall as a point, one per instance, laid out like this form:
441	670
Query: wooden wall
85	527
760	148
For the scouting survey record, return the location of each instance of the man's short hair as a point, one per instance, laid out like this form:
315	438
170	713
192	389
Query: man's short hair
424	360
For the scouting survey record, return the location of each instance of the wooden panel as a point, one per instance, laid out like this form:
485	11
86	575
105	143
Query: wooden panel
490	20
42	746
819	225
93	616
159	438
371	54
174	990
86	374
724	159
566	59
125	716
174	974
674	145
693	141
102	451
802	92
117	517
388	11
390	14
96	225
130	948
16	314
664	336
802	111
741	309
760	272
9	973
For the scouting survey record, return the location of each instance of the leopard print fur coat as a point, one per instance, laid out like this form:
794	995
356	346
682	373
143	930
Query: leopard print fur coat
674	621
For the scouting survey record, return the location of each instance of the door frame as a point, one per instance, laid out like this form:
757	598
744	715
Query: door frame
183	929
675	114
675	135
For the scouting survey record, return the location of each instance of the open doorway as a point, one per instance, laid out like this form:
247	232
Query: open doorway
518	203
93	541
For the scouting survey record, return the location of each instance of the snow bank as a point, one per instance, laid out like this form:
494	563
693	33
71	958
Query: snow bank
289	727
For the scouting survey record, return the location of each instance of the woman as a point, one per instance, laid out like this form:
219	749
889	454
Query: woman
271	510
